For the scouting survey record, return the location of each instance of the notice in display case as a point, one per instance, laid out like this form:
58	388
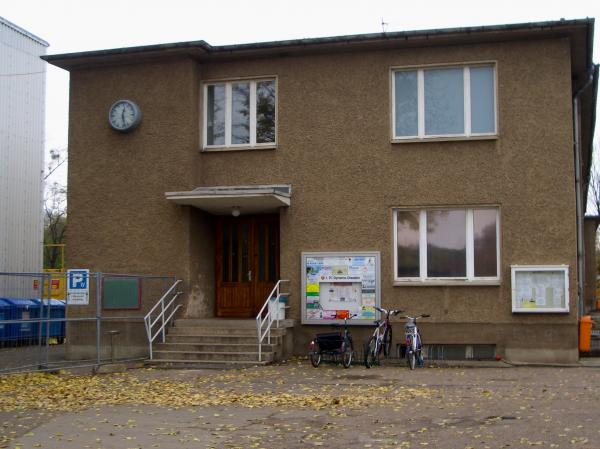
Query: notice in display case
540	288
337	285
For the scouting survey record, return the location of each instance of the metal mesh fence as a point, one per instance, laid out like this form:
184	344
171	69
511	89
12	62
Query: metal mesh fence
46	325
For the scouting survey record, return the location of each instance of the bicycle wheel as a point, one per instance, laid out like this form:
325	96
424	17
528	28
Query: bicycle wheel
315	357
370	352
411	356
387	342
347	355
420	361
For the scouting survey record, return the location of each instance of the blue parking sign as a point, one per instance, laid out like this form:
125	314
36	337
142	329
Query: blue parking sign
78	279
78	287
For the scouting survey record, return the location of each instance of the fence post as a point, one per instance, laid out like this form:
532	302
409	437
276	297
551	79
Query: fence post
47	316
39	326
277	304
98	316
162	310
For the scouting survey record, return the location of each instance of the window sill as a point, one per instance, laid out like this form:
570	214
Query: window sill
448	283
444	139
240	148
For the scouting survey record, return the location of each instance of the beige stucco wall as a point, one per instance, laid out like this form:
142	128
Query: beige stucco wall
201	300
334	149
118	218
119	221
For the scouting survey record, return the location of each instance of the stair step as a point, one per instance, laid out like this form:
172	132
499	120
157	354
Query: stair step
198	330
211	355
225	323
224	339
217	343
213	347
216	322
203	364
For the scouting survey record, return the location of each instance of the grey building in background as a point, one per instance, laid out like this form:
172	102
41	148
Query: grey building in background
22	102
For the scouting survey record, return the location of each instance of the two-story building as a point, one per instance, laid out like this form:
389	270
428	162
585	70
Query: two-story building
441	172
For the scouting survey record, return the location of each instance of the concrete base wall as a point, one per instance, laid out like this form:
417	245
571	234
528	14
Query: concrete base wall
550	356
131	342
526	343
532	343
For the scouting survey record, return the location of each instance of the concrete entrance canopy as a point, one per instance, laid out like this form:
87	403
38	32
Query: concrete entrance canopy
222	200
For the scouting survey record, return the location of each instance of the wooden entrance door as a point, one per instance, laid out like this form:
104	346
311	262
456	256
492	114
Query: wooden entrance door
247	263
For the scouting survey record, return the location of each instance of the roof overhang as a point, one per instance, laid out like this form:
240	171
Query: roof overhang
576	30
221	200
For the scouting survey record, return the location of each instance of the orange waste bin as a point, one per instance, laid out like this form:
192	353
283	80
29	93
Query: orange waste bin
585	333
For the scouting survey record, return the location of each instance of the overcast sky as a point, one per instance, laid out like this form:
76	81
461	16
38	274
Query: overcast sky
81	25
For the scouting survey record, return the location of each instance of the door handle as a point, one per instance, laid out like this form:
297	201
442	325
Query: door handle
249	276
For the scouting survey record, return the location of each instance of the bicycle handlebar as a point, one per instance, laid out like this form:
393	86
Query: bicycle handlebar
388	312
413	318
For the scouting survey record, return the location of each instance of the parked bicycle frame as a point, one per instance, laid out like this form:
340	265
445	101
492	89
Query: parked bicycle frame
381	338
334	344
413	341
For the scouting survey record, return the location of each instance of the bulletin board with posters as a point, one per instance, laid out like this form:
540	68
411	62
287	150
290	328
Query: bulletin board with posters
337	285
540	288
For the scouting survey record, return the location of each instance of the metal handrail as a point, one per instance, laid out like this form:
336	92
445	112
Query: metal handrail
268	318
149	323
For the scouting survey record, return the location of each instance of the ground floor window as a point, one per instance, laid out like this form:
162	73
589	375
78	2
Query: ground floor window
446	244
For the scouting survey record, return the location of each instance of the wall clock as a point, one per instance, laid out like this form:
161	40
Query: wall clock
124	115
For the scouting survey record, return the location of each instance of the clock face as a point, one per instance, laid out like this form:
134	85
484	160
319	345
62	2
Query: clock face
124	115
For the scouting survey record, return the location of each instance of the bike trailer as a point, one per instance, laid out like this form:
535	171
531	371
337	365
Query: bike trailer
329	341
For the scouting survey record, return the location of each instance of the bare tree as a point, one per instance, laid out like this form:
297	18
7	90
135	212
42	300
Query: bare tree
55	210
593	199
594	189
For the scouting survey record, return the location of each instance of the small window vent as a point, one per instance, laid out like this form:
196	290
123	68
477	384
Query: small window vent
460	352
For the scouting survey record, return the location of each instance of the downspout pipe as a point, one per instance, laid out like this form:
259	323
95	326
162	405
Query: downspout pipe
579	192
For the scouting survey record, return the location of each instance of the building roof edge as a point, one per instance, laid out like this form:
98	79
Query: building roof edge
63	60
24	32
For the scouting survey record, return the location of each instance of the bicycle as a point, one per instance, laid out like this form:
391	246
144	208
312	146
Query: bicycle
334	344
381	338
413	341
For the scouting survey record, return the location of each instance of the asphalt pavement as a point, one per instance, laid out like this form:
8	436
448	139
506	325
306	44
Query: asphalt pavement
293	405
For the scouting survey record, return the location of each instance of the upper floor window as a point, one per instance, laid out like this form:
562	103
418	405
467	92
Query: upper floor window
444	102
240	113
446	244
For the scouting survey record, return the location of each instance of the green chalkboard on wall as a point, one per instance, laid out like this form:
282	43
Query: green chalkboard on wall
121	293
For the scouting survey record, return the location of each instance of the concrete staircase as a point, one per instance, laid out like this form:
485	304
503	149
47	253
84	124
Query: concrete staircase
217	343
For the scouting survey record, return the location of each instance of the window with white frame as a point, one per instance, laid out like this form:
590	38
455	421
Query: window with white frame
240	113
446	244
444	102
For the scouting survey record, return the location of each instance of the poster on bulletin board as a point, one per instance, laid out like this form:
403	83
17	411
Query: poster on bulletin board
338	285
540	288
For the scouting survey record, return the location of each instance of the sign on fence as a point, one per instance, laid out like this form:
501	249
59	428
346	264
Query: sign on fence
78	287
